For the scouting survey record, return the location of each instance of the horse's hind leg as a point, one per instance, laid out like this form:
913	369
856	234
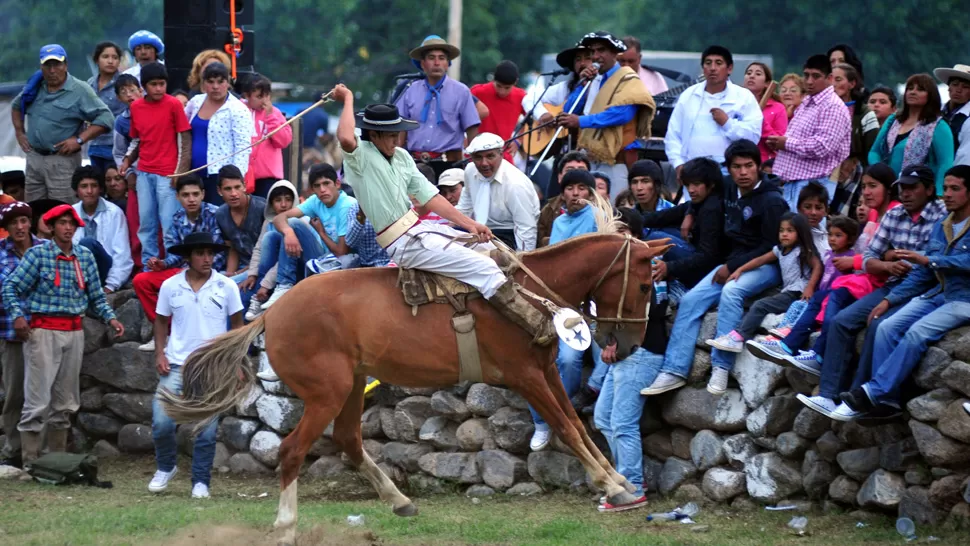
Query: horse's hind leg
346	434
317	414
563	398
538	391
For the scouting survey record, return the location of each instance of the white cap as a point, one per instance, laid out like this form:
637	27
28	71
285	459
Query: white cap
485	141
451	177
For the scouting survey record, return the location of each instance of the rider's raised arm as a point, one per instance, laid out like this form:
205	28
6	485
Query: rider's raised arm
345	127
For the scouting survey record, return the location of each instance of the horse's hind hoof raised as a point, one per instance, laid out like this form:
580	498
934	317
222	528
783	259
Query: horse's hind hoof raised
406	511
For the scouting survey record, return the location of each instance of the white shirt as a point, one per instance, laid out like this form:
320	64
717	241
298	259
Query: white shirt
112	233
197	317
507	201
692	131
135	70
230	129
962	156
557	95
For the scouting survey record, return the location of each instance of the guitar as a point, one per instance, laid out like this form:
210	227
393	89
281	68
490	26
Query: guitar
536	141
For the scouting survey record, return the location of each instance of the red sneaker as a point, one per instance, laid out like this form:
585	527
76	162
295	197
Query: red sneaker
607	507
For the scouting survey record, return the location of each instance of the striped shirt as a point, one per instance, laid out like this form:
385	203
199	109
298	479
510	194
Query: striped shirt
363	239
182	227
9	259
898	230
819	138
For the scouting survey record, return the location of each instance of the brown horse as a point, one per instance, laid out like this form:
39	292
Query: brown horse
332	331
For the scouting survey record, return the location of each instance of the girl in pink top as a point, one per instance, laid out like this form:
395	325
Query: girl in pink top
266	160
757	78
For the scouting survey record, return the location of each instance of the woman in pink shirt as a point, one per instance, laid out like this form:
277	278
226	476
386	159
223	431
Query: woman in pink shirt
757	79
266	160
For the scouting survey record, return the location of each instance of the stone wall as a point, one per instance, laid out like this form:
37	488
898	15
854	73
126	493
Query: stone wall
756	443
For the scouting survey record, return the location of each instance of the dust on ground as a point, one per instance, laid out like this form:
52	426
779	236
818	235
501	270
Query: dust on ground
234	535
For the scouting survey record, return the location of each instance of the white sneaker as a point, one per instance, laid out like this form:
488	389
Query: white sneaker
663	383
540	439
821	404
255	309
148	347
277	294
806	361
966	408
268	375
719	380
727	343
160	480
200	491
844	413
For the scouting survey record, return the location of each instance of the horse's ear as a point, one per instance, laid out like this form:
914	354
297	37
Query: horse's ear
657	242
655	251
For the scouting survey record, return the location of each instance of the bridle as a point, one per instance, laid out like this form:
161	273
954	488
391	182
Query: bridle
560	302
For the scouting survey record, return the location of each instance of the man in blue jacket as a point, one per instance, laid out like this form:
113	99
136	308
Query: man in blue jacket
942	276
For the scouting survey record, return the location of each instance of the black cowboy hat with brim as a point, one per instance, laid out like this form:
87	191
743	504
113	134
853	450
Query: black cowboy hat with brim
384	117
566	57
615	43
199	239
435	42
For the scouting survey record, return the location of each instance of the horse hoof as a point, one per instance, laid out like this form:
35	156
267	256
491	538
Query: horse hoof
622	498
630	488
406	511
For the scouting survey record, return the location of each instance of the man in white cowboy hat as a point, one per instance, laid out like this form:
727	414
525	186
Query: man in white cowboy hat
957	109
384	176
444	108
499	195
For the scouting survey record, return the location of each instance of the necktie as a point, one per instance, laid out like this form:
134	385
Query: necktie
77	270
434	93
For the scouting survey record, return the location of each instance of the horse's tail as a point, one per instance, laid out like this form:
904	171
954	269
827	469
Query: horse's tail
215	377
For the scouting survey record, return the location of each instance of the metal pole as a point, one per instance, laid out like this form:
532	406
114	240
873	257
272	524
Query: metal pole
559	130
454	36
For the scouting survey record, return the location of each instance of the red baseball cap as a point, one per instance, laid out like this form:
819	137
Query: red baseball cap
61	210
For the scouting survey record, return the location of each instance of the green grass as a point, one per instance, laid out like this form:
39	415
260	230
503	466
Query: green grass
34	514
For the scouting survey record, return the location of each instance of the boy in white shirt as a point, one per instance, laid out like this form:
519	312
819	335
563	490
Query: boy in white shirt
197	303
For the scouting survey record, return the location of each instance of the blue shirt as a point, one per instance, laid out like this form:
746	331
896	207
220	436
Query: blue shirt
182	227
200	142
569	225
333	218
363	239
9	260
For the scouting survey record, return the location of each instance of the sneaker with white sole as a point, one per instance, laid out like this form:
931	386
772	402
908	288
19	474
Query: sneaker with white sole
663	383
781	331
731	342
160	480
719	381
277	294
807	361
540	439
845	414
966	408
200	491
606	507
769	349
821	404
148	347
255	309
268	375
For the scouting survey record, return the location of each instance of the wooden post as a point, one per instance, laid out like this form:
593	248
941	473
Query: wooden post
454	35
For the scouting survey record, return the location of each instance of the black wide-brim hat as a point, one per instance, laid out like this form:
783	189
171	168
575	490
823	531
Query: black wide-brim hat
384	117
615	43
566	57
199	239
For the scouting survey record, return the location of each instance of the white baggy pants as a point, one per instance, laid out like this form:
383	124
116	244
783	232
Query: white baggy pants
429	247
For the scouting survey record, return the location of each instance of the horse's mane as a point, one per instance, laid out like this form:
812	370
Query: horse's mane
570	243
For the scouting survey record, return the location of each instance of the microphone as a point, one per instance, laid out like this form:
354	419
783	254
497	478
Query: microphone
597	67
560	72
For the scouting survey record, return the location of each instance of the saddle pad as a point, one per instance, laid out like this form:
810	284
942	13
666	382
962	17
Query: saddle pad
420	287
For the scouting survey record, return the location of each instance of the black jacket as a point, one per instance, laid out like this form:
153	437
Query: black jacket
706	234
751	222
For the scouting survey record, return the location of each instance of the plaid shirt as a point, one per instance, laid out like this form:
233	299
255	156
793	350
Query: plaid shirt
363	239
49	286
898	231
182	227
9	259
818	139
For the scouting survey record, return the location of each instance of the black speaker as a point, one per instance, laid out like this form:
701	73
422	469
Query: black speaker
183	43
208	12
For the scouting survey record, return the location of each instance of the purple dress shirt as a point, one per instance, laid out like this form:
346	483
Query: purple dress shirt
457	114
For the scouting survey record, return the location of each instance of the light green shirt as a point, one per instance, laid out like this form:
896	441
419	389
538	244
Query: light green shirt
52	118
382	187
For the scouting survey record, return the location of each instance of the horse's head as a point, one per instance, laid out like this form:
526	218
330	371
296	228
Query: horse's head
623	295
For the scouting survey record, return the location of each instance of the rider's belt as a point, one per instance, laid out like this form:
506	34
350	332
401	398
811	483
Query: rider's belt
394	231
451	156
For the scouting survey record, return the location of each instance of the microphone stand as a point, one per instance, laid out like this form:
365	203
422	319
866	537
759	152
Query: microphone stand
559	130
528	119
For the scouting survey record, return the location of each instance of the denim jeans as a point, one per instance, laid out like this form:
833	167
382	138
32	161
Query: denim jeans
163	433
600	369
101	257
681	249
730	299
157	203
570	364
793	188
902	339
802	328
618	409
290	269
840	341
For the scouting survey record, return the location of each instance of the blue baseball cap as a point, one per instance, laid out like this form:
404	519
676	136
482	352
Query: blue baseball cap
52	52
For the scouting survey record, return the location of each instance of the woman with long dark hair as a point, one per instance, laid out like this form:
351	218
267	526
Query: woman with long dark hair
843	53
917	135
758	79
107	57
